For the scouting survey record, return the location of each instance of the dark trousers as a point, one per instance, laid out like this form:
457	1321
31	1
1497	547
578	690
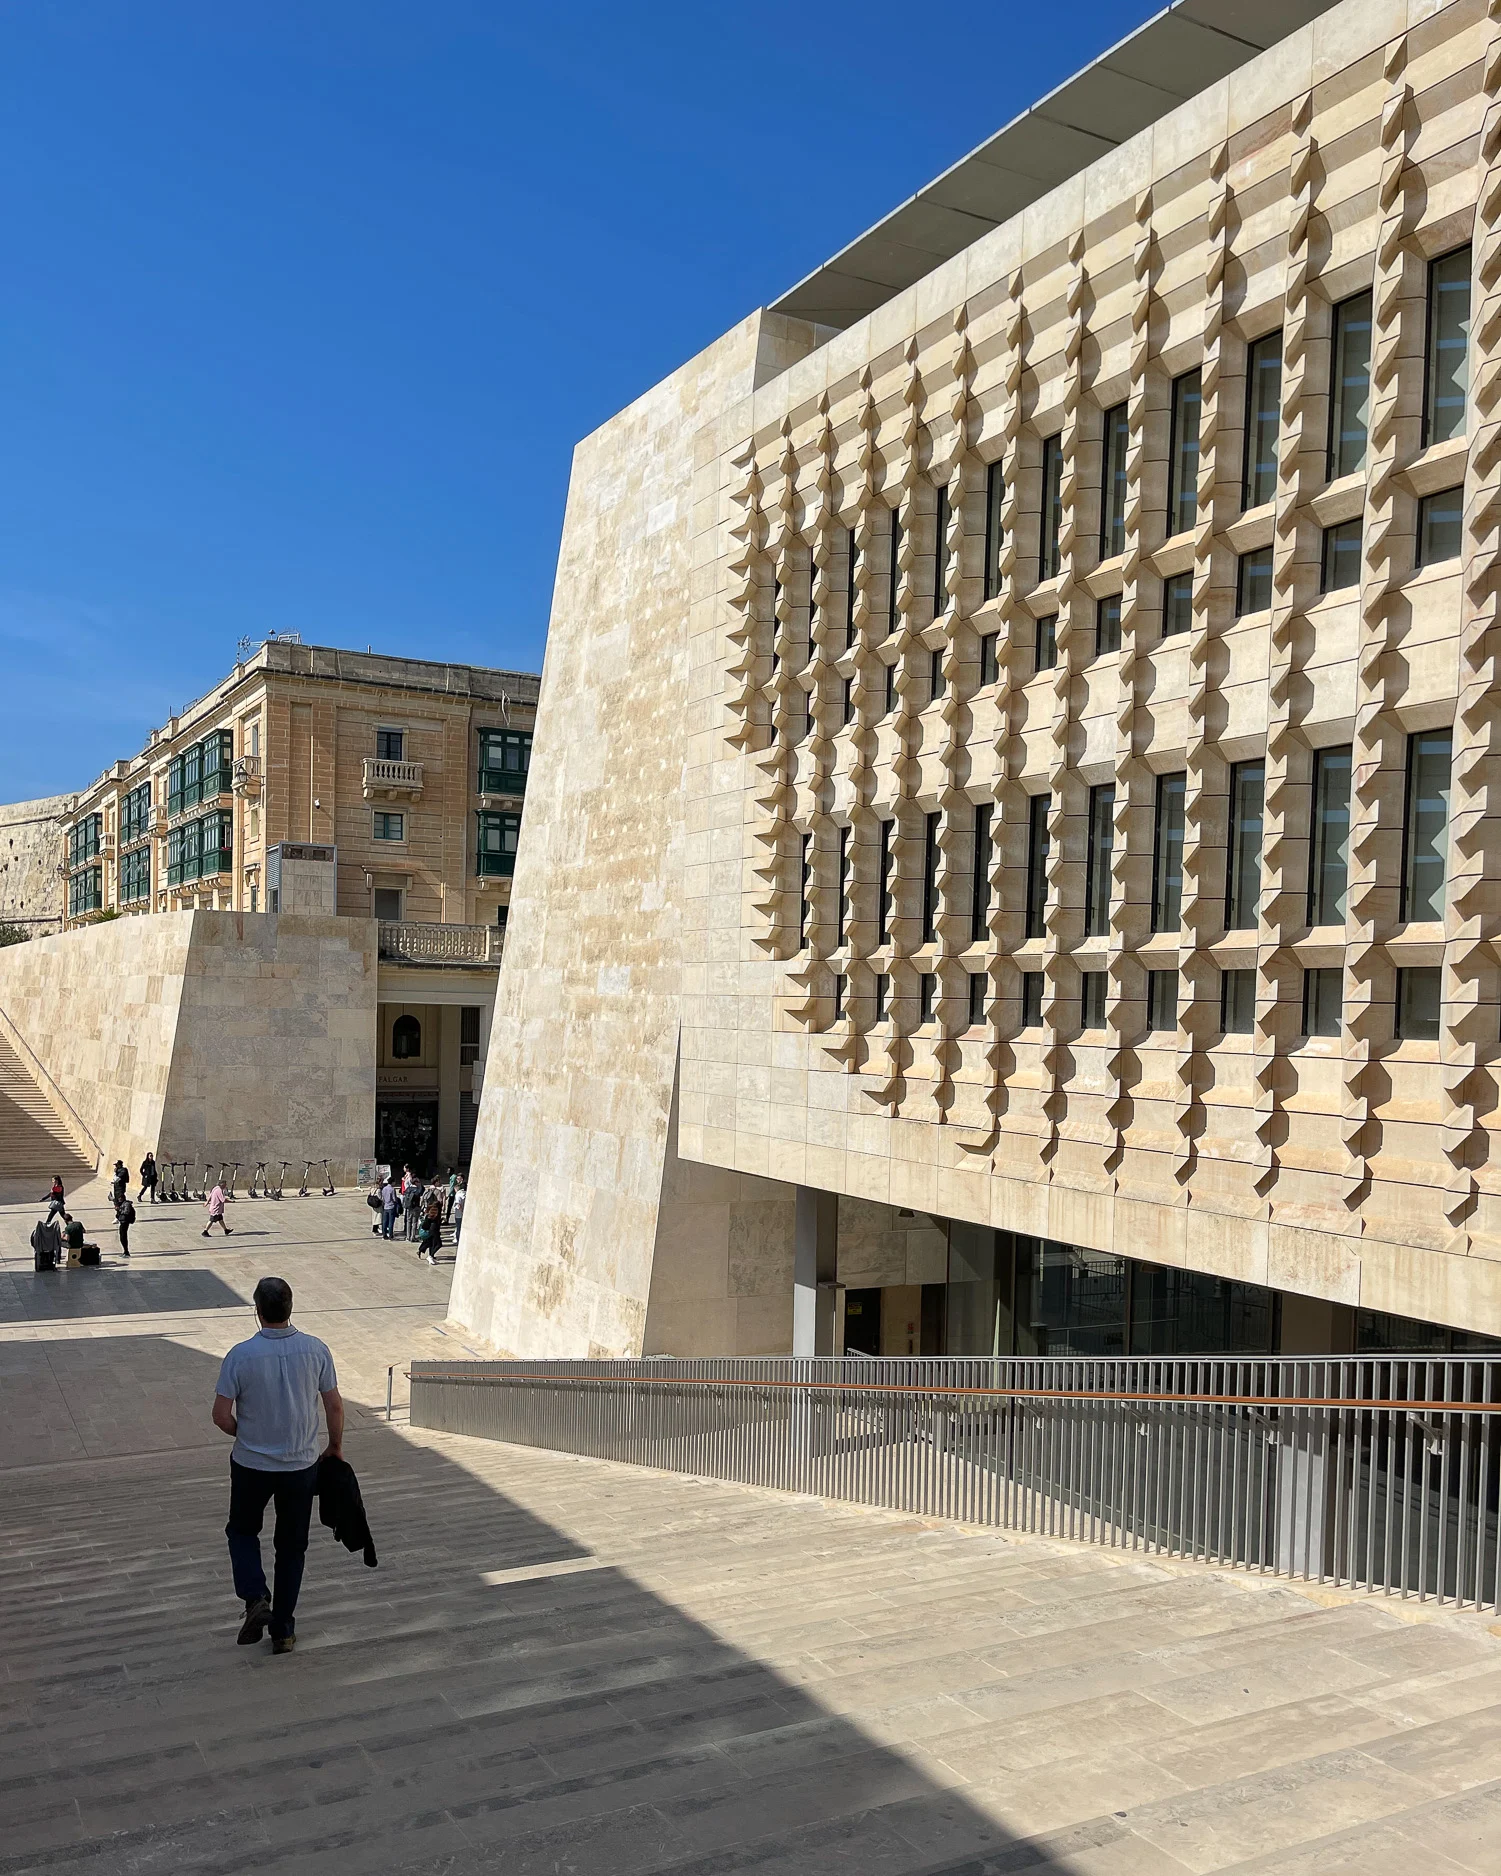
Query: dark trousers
387	1221
250	1491
125	1238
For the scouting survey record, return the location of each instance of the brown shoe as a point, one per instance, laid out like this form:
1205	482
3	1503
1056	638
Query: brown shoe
283	1644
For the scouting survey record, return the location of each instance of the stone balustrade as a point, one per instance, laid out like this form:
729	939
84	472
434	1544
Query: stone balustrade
409	942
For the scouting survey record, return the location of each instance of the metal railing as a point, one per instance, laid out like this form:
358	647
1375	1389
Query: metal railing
1366	1472
411	943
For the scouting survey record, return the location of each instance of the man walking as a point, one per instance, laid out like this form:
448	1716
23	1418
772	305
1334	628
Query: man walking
216	1212
125	1217
267	1401
389	1205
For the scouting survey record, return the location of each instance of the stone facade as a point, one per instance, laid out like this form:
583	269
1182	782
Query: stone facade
1070	532
31	888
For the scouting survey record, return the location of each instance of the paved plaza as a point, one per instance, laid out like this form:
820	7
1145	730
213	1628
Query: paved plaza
564	1666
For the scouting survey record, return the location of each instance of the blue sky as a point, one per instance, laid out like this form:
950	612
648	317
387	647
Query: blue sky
305	305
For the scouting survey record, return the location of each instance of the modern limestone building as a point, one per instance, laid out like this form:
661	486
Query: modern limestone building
329	783
1013	859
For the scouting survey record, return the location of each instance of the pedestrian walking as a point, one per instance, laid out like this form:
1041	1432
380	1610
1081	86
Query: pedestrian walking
266	1400
411	1202
55	1201
458	1212
453	1186
390	1204
148	1178
216	1212
119	1184
125	1217
430	1233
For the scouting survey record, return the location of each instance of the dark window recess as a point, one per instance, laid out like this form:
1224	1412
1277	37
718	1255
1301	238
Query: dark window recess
1031	999
838	995
1237	1002
1177	604
890	698
1425	845
1101	846
1441	526
844	885
406	1039
849	700
884	883
1162	1001
1092	999
135	814
995	533
389	745
1117	437
978	985
1167	853
1052	508
851	570
1253	582
894	579
883	988
804	880
1341	563
932	854
1420	995
1045	644
1243	886
1037	865
1263	402
937	684
990	663
469	1021
1107	626
1446	411
1183	461
979	905
1350	406
941	554
927	996
1323	1001
1329	850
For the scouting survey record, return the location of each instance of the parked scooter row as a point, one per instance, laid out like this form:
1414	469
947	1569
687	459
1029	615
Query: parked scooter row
184	1182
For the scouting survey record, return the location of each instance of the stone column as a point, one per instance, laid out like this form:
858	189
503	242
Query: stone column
448	1084
814	1269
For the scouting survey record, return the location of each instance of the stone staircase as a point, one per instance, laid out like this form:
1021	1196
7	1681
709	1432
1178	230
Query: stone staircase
34	1141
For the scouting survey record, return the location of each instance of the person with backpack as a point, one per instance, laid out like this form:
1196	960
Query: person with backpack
125	1217
411	1204
430	1231
148	1178
119	1185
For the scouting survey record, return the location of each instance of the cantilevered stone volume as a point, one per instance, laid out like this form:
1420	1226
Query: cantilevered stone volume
1012	843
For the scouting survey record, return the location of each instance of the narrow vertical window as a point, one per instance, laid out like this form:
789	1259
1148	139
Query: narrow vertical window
1237	1002
1243	885
776	626
851	569
979	903
927	997
1253	582
1323	1001
805	878
1446	406
1329	849
1045	656
937	684
1441	526
890	701
1177	604
1097	866
883	985
1052	507
1263	401
849	700
1031	999
931	854
844	884
995	533
883	884
1092	1000
977	983
1167	853
1341	559
1420	993
1350	405
941	554
1037	865
1162	1001
1107	626
1183	458
990	663
838	995
1113	484
895	580
1426	843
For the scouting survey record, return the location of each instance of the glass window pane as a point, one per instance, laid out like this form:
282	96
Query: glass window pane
1419	1003
1092	1000
851	569
1167	854
1263	398
894	576
1047	642
884	883
937	684
890	698
927	996
883	988
1253	586
978	983
1427	832
1323	1001
1037	865
1052	506
1097	880
1448	346
995	533
843	901
1341	566
1237	1002
1350	409
1069	1300
979	911
1243	897
990	664
1113	484
1329	858
932	854
1177	604
1107	626
1183	465
941	554
1031	999
1441	526
1187	1312
1162	1001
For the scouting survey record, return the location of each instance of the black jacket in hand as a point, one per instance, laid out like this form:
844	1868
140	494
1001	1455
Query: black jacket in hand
342	1509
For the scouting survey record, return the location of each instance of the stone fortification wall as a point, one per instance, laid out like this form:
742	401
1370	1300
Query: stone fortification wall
208	1035
565	1218
31	889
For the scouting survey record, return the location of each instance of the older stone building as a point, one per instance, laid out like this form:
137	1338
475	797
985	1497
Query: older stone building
328	783
32	895
1014	845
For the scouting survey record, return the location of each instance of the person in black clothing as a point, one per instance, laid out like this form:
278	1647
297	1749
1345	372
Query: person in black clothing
148	1178
125	1217
119	1185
